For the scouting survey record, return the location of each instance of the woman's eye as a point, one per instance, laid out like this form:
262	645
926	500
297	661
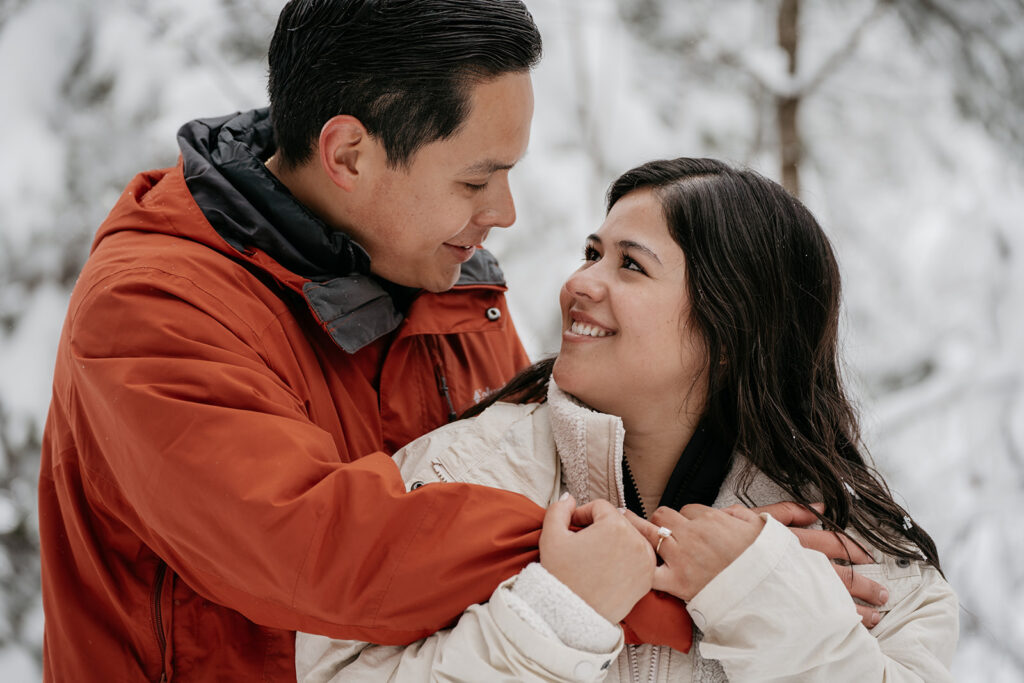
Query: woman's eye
630	264
591	254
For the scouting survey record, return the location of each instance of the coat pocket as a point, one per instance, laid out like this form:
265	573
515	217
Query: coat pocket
900	577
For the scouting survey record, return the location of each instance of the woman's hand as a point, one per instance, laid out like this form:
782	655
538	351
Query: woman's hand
704	541
607	563
840	550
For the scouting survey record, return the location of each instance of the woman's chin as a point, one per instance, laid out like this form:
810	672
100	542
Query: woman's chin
564	376
578	387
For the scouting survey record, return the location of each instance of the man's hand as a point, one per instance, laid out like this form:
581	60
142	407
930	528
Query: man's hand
607	563
840	550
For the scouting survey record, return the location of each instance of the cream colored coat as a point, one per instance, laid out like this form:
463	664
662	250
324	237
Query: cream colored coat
777	613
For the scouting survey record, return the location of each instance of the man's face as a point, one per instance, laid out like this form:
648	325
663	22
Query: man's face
421	223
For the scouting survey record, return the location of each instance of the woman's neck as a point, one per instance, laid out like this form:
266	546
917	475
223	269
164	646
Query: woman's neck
652	456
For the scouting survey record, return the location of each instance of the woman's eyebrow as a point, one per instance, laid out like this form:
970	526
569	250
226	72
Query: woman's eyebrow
628	244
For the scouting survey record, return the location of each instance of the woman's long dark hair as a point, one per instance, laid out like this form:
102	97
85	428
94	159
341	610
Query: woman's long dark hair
764	289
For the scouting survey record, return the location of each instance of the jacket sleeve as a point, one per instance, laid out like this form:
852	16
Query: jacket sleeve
494	640
189	437
490	642
779	612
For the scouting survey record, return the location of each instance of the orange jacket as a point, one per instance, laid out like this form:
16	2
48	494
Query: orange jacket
215	469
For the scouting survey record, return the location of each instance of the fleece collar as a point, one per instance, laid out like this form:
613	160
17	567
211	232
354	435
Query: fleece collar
589	445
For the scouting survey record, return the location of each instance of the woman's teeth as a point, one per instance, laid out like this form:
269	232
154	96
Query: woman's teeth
588	330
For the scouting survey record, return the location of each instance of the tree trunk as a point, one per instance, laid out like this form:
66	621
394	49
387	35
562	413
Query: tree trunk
788	106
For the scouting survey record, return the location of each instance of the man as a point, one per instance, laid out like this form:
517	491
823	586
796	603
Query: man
255	331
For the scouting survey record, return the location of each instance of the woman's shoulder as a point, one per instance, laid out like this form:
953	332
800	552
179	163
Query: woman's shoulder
907	581
507	446
746	485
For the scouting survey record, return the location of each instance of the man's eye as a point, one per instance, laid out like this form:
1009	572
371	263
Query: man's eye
475	187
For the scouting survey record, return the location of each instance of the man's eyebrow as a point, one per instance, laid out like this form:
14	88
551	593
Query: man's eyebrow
628	244
486	167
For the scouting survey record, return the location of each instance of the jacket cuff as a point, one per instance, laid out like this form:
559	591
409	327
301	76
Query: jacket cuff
538	596
544	650
732	585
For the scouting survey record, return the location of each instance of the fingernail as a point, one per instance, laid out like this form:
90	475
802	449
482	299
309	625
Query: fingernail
564	496
883	597
875	618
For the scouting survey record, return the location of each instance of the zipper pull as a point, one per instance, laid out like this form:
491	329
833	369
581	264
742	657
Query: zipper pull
442	387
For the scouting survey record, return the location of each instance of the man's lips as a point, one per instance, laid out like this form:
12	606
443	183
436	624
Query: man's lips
460	252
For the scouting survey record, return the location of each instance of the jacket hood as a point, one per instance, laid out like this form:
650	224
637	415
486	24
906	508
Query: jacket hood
259	223
223	160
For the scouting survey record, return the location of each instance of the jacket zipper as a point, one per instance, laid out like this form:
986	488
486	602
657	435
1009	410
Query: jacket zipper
442	381
158	619
634	663
442	472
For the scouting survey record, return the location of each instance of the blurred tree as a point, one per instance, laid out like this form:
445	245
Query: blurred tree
95	93
980	43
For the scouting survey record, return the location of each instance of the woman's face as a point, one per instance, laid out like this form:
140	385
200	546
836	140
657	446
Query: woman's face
628	346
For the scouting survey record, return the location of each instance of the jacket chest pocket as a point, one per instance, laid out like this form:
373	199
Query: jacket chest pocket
899	576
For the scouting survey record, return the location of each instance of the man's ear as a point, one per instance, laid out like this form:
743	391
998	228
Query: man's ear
344	150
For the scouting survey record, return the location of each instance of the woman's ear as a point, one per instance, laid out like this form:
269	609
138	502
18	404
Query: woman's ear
344	150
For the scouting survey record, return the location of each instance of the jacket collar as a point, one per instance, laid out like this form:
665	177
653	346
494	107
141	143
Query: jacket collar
590	447
223	164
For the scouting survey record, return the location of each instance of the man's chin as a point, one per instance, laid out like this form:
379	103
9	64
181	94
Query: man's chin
439	282
444	286
435	282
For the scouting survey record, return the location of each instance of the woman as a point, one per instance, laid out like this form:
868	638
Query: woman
698	370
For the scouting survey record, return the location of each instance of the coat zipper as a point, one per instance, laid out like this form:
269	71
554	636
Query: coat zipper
158	619
442	472
442	388
442	381
634	663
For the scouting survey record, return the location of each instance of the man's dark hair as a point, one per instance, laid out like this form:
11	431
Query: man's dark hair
404	68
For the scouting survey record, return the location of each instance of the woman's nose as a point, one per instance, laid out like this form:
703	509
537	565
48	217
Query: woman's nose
586	283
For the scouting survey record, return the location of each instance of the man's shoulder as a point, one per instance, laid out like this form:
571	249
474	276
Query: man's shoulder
136	273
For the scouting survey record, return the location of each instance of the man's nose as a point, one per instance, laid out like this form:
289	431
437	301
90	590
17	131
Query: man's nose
500	211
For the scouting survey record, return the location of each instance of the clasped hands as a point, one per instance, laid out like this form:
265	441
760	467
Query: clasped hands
610	561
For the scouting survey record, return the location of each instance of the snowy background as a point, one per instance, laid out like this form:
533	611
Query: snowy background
907	142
